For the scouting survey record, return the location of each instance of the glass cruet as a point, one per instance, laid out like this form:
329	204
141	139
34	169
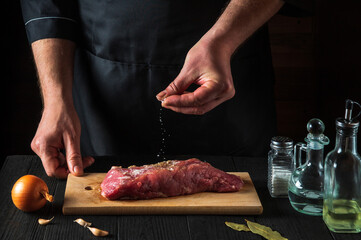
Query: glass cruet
342	188
305	188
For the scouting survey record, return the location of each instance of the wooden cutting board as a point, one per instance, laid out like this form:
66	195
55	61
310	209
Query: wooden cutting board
82	197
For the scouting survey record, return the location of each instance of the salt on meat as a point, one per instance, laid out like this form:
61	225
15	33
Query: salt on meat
167	179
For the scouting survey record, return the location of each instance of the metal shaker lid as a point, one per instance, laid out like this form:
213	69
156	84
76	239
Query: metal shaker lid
281	142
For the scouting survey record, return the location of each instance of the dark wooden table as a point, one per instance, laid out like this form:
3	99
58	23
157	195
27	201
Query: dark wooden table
278	214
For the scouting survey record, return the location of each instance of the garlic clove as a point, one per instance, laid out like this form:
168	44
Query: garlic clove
97	232
82	222
44	221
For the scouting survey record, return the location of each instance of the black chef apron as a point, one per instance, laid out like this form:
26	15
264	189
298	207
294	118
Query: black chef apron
130	50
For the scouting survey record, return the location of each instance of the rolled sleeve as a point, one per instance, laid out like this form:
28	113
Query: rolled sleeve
50	19
298	8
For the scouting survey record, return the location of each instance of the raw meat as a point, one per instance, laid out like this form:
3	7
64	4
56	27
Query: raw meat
166	179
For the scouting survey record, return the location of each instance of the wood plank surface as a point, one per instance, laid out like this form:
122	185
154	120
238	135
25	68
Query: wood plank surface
82	196
278	214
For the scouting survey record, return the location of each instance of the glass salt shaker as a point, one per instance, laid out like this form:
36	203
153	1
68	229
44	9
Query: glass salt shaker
280	165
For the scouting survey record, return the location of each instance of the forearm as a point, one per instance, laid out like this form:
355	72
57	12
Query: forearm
238	22
59	127
54	59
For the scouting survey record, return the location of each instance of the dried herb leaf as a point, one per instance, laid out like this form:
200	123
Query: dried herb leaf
237	226
264	231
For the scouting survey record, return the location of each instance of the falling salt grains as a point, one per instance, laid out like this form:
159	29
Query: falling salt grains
163	133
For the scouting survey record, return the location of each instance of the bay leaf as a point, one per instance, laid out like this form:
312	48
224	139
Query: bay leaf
264	231
237	226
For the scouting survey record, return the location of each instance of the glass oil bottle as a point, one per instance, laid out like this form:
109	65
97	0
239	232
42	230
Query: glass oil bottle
342	189
305	188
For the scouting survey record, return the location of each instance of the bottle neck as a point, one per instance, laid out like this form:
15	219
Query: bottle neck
346	140
315	154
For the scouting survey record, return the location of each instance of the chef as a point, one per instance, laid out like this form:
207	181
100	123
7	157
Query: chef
133	77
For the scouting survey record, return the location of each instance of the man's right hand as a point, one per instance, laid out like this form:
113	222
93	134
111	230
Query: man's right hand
59	129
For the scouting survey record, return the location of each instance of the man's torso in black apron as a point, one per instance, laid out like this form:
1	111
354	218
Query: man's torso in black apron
131	50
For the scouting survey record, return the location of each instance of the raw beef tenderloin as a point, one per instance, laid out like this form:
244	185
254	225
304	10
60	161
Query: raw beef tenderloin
167	179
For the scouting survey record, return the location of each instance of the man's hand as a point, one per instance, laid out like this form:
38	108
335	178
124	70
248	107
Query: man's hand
208	67
208	62
59	129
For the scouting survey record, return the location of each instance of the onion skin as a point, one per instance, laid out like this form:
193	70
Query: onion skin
30	193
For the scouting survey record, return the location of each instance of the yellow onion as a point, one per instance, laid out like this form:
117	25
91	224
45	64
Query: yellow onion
30	193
